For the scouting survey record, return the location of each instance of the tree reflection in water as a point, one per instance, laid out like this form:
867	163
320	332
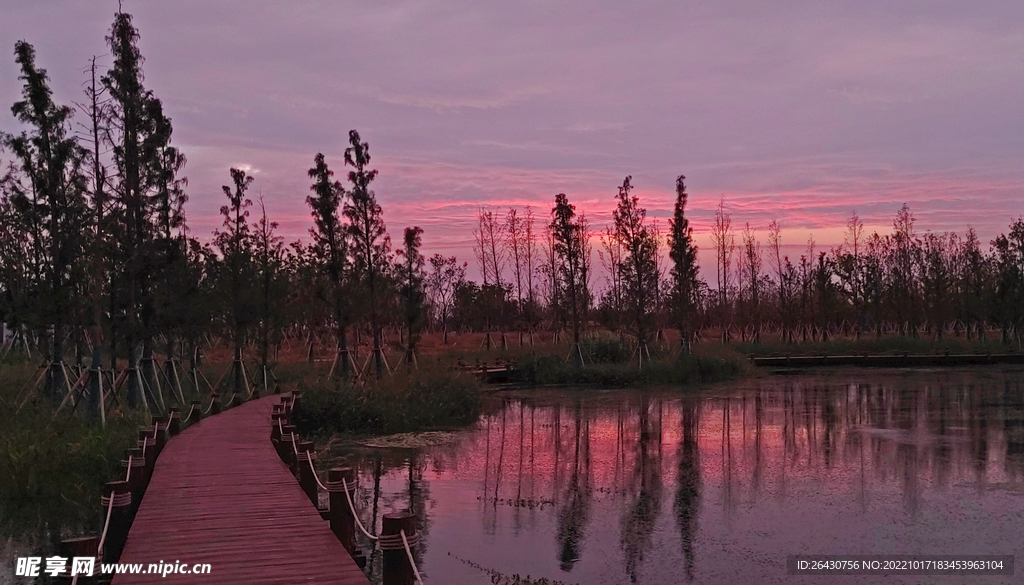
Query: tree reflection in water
687	504
575	512
802	460
639	517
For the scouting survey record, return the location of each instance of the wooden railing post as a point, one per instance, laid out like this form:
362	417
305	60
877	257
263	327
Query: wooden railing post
120	519
296	400
83	546
174	423
236	399
307	479
275	431
215	405
159	424
137	476
197	411
287	452
397	570
342	522
148	443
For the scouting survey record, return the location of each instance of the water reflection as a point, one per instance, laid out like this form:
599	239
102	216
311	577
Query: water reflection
572	485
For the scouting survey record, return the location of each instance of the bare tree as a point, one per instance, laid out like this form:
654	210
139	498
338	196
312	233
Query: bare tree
752	274
445	277
852	267
515	245
530	257
610	255
489	246
775	241
724	240
551	280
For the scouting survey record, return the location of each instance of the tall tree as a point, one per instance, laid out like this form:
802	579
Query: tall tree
331	247
235	243
411	279
139	136
94	132
371	246
568	255
903	262
271	275
51	160
1008	263
684	271
638	268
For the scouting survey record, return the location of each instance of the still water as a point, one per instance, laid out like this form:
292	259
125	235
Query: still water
660	486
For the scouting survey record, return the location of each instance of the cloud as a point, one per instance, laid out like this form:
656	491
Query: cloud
797	110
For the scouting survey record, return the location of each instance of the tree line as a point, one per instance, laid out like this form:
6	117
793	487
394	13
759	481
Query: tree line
96	259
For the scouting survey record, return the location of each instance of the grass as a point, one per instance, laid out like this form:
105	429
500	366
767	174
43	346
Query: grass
612	363
435	398
52	469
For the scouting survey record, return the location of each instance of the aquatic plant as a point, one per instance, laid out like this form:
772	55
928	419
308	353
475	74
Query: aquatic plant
400	404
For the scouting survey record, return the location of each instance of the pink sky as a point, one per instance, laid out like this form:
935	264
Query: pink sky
796	111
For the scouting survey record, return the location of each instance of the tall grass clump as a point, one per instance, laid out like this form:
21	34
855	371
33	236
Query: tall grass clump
52	468
684	369
404	403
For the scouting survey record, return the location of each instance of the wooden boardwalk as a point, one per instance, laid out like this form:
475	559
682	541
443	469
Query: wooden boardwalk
220	495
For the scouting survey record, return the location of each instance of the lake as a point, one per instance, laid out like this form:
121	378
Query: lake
716	485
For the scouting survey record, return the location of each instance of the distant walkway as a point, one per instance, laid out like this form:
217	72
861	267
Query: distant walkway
889	360
220	494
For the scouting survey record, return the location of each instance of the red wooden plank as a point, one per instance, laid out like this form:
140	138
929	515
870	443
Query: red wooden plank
220	495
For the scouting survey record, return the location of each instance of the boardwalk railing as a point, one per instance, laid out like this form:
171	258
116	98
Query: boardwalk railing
398	537
121	498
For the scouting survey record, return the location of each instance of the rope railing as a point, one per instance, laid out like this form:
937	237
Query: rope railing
399	542
395	538
209	408
128	474
137	466
408	553
191	409
351	506
309	457
106	523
